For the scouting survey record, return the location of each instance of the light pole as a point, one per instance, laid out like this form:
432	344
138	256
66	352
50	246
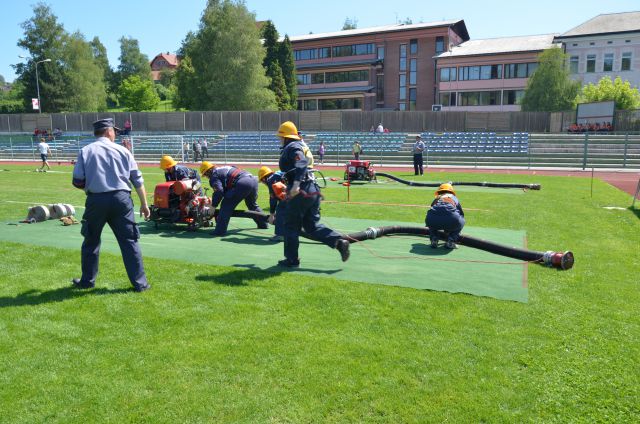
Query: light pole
38	80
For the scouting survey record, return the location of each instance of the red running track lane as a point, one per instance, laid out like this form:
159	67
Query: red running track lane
623	180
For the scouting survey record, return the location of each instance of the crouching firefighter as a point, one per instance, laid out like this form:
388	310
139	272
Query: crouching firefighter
230	186
302	201
176	172
445	214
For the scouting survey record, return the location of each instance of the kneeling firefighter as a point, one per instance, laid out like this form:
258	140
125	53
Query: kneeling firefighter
445	214
303	200
176	172
230	186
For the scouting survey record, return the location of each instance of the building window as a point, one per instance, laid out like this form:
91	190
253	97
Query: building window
311	104
402	95
626	62
346	76
381	53
607	66
519	70
512	97
402	106
353	50
413	46
324	52
413	95
317	78
379	88
334	104
403	57
448	98
591	63
480	98
303	79
448	74
413	73
439	45
573	64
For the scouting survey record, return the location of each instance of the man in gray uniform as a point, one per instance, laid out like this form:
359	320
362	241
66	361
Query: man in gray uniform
106	171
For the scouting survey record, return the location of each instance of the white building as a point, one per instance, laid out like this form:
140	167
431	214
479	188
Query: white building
607	45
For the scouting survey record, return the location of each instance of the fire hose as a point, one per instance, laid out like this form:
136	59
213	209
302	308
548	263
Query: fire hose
559	260
460	183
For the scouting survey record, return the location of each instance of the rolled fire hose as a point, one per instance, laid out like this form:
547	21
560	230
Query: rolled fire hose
460	183
559	260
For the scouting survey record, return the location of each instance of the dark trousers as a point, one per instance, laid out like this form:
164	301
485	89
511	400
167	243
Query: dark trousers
116	209
303	212
417	163
281	214
447	221
246	188
205	152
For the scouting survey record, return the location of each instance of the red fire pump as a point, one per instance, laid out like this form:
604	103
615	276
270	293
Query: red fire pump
359	170
181	202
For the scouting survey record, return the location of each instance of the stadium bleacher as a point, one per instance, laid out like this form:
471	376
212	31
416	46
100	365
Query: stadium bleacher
476	142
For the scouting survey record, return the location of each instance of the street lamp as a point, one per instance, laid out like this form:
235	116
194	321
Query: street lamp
37	80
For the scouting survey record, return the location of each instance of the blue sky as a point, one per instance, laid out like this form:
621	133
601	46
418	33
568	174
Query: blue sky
161	26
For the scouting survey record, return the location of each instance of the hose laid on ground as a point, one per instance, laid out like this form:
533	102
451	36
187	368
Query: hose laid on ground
459	183
549	258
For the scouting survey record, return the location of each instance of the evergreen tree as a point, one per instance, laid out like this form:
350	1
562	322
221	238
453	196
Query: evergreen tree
550	89
85	87
288	66
270	42
278	86
350	24
132	61
621	92
44	38
225	70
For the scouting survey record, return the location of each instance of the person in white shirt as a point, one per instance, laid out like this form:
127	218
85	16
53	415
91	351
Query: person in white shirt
380	128
45	151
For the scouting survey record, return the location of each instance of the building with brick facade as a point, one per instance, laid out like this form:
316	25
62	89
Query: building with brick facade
390	67
490	74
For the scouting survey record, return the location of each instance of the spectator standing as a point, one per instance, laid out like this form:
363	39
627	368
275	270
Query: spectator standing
356	150
185	151
127	127
418	148
45	152
205	149
197	150
321	151
106	171
380	128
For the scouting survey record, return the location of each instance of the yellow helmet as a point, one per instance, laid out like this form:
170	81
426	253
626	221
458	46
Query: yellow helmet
205	167
445	188
288	130
167	162
264	172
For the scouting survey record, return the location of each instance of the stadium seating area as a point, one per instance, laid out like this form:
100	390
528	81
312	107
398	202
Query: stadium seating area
370	142
476	142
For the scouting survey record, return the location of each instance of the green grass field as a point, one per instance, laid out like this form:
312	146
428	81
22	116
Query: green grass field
223	344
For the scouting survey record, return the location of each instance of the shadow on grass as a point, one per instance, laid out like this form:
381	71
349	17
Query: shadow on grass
35	297
248	272
635	211
426	250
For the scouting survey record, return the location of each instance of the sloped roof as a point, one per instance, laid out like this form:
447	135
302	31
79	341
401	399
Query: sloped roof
171	59
386	28
527	43
606	23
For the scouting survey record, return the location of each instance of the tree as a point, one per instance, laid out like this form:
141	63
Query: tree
138	94
549	88
350	23
270	42
2	81
225	69
278	86
85	89
166	77
621	92
132	61
288	66
44	38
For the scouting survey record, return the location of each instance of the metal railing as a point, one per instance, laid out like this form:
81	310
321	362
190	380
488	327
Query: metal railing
583	151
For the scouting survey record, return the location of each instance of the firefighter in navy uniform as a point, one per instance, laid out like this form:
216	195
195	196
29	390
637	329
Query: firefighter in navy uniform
303	201
277	194
176	172
445	214
106	171
230	186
